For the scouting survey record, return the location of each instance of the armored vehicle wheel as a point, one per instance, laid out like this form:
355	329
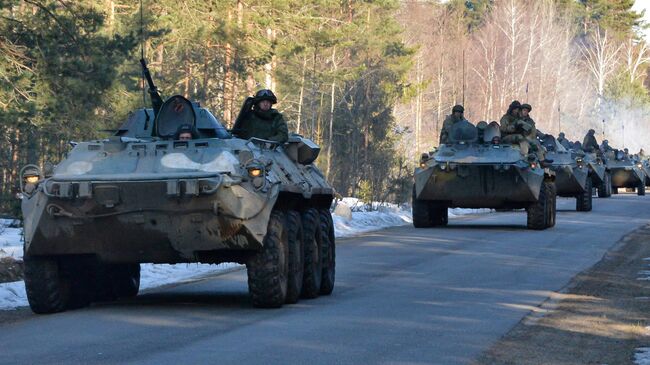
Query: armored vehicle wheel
312	241
584	200
268	269
605	188
421	212
538	212
439	213
551	199
48	289
126	280
329	252
640	190
296	256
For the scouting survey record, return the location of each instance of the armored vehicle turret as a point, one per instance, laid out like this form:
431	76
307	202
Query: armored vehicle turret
143	196
476	171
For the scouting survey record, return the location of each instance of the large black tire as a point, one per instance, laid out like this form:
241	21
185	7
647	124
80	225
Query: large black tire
48	289
296	256
551	206
538	213
126	280
312	242
268	269
421	212
439	214
584	200
640	190
329	252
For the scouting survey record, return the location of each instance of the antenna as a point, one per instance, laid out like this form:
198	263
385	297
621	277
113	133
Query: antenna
559	118
463	77
144	94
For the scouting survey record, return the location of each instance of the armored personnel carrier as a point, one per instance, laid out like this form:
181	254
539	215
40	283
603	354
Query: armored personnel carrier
626	173
142	196
571	173
476	171
645	163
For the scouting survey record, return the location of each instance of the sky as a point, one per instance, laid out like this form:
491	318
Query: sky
644	5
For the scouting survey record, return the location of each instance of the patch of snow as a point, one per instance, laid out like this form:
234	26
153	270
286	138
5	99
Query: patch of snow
155	275
12	295
642	356
645	274
11	239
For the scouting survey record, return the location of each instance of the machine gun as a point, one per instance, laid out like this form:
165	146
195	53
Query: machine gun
156	100
246	108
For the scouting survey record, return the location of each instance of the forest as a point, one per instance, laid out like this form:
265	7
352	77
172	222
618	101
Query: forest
369	81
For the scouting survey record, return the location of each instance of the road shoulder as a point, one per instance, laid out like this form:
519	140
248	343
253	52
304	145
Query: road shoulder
599	318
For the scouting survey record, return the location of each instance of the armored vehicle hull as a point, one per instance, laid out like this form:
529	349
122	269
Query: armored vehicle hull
473	172
626	174
572	179
141	197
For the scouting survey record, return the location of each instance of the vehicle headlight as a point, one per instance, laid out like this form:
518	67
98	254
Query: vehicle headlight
255	172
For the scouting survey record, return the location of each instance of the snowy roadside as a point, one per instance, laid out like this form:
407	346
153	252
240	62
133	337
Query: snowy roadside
357	218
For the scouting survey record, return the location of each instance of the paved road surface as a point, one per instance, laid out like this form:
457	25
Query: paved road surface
403	295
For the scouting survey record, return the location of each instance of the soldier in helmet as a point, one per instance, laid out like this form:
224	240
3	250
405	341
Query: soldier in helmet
185	132
455	117
563	141
589	143
515	130
258	119
531	135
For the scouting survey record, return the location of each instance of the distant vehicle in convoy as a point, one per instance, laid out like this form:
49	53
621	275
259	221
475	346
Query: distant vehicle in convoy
476	171
626	172
572	173
141	196
645	165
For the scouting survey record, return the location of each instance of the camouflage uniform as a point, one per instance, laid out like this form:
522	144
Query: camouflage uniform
589	143
450	120
563	141
269	125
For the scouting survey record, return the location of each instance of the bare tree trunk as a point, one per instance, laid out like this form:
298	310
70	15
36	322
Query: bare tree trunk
302	93
330	135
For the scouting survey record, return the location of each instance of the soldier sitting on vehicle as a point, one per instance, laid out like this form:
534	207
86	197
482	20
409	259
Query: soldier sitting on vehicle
563	141
257	119
455	117
515	130
589	143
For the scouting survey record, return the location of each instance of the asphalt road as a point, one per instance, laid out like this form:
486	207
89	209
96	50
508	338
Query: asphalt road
403	295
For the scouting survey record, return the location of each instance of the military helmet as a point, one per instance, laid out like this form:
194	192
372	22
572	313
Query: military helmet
527	106
458	109
591	131
515	105
265	94
561	135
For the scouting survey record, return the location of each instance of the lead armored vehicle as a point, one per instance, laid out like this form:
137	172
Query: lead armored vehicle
141	196
626	173
571	173
476	171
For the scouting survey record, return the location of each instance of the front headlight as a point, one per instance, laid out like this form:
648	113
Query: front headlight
255	172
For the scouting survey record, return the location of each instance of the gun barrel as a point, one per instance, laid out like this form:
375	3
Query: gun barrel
156	100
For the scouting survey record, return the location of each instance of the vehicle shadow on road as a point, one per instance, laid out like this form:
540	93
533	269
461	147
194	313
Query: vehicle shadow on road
226	300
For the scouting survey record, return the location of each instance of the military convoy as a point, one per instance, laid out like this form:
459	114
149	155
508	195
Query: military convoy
140	196
475	170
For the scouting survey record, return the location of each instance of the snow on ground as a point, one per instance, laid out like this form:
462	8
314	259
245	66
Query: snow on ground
364	218
645	274
642	355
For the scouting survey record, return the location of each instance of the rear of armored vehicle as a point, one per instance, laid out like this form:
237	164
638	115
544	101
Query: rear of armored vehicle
478	172
129	199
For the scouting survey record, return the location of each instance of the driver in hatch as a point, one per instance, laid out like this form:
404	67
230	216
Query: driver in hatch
185	132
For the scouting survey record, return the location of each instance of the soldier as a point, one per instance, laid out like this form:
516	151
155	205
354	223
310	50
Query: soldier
605	147
261	121
641	154
589	143
531	136
455	117
563	141
513	128
185	132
